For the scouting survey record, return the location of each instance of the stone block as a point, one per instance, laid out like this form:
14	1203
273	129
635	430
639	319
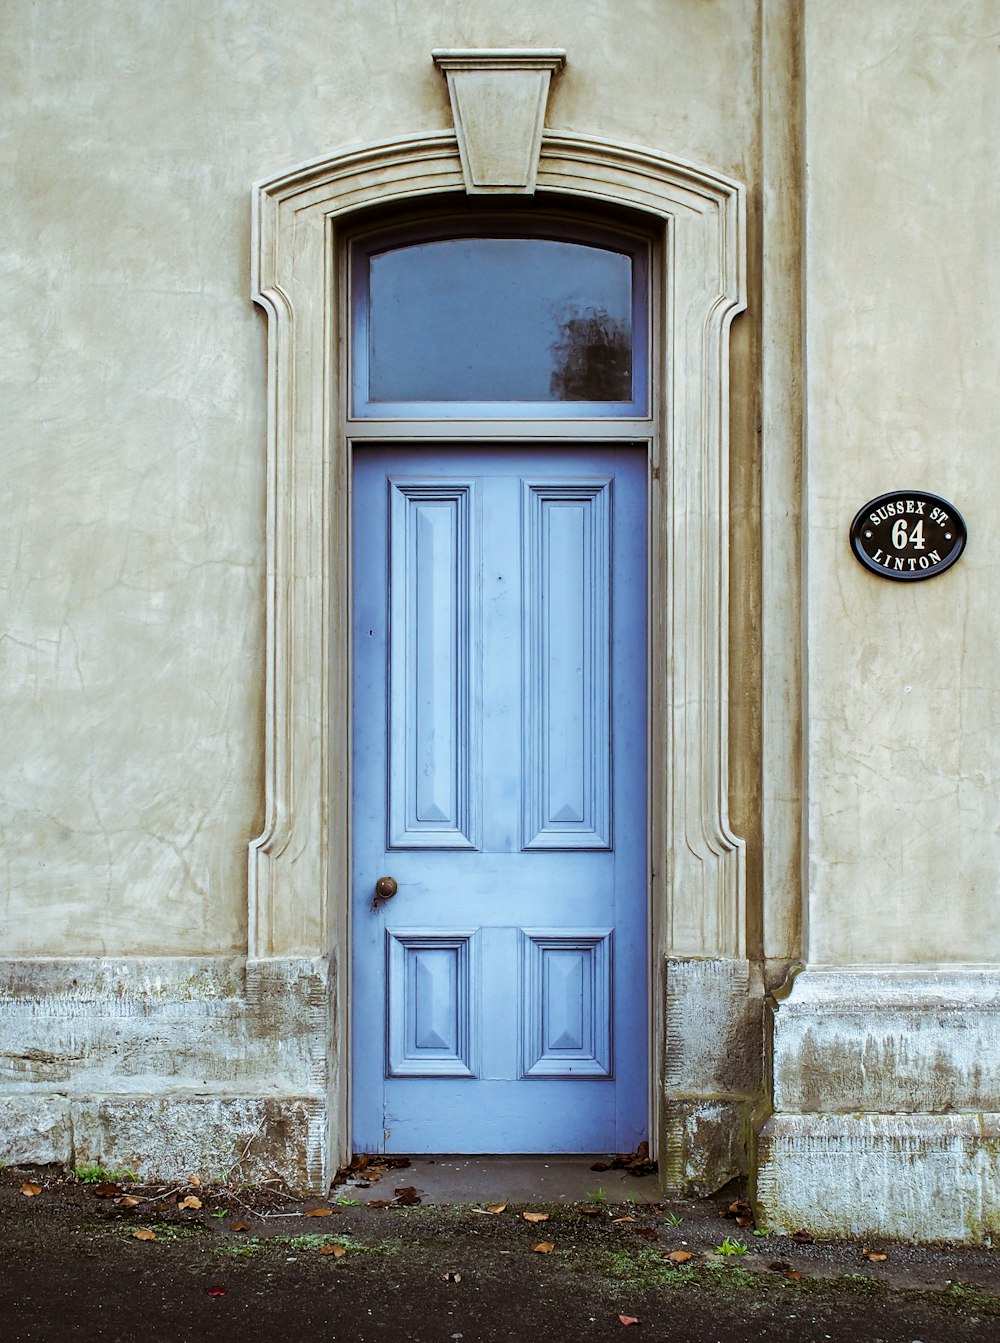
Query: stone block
245	1138
931	1178
703	1144
35	1130
889	1039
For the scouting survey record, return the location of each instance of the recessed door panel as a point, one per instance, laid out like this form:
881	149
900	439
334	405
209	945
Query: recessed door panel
499	994
566	771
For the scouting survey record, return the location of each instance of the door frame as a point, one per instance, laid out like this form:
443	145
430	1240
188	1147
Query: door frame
299	865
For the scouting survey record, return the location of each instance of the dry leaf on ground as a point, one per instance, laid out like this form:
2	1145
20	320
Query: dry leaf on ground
239	1226
190	1202
680	1256
794	1276
319	1212
337	1251
107	1191
535	1216
195	1181
628	1319
30	1190
617	1221
876	1256
802	1237
407	1197
142	1234
128	1201
544	1247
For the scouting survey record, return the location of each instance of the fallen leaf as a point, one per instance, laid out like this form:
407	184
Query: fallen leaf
451	1277
193	1180
319	1212
190	1202
876	1256
535	1216
337	1251
107	1191
30	1190
239	1226
398	1163
128	1201
142	1234
628	1319
794	1276
589	1210
744	1221
496	1208
600	1165
544	1247
617	1221
380	1203
216	1289
373	1176
738	1208
407	1197
802	1237
680	1256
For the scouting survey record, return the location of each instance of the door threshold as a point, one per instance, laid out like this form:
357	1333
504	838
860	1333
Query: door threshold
503	1179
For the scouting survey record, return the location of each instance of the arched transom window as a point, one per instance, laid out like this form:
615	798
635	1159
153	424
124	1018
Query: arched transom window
495	318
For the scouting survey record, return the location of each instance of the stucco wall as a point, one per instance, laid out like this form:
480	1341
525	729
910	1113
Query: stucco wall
131	565
903	346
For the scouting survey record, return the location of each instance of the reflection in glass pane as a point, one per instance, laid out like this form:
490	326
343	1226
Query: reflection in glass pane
500	319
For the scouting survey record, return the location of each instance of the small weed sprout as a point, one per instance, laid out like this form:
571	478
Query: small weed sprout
673	1219
731	1246
597	1196
103	1174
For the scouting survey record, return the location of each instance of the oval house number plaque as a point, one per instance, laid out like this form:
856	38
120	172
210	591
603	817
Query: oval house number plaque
908	535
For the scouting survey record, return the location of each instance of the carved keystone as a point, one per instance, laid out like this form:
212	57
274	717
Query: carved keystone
498	103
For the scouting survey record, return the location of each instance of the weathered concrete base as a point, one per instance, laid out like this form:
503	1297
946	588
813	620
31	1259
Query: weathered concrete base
907	1177
887	1105
169	1067
713	1071
171	1137
217	1137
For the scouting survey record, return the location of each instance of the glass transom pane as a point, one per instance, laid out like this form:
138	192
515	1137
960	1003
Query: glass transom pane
525	325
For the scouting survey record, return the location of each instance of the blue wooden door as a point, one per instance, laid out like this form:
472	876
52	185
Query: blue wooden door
499	999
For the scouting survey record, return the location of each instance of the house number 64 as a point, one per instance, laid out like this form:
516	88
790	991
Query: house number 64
901	538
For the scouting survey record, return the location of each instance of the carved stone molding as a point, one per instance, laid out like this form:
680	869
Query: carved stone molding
299	866
498	103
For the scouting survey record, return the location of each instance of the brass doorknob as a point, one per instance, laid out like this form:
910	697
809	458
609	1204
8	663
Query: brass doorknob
386	888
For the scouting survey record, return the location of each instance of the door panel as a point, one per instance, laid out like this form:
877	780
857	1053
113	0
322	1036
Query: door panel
499	998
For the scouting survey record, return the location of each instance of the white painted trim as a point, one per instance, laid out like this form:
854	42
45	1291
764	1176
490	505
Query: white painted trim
299	865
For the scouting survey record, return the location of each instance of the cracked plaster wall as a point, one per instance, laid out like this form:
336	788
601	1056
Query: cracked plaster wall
903	345
133	398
